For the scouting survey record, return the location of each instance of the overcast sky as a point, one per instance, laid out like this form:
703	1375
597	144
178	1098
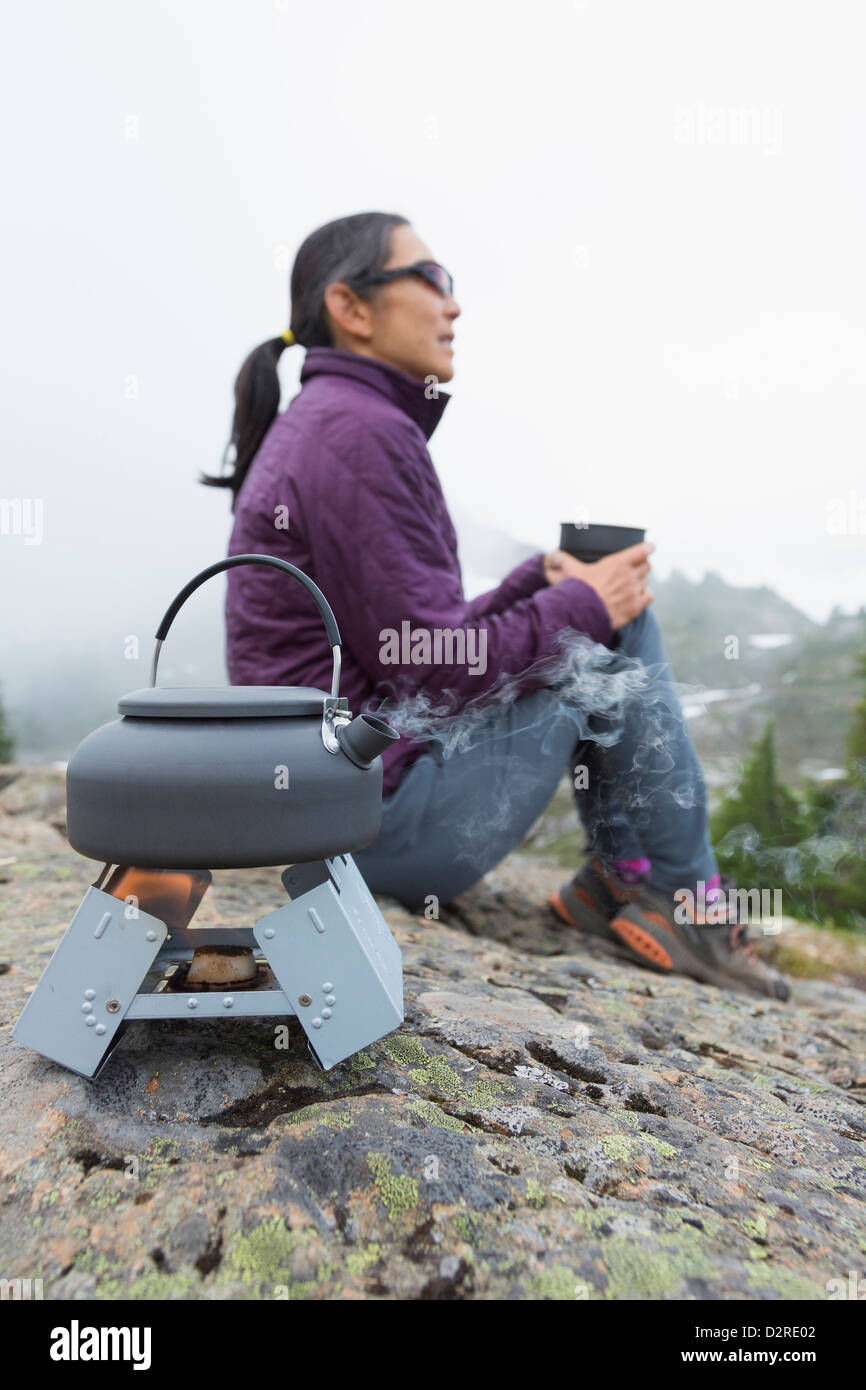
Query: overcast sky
654	215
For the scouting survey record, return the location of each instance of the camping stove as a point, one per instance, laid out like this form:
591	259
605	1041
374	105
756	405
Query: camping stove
234	777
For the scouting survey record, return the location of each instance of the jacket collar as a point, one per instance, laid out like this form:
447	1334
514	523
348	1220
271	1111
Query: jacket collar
398	386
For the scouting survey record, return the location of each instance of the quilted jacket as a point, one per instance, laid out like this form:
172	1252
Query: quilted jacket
343	486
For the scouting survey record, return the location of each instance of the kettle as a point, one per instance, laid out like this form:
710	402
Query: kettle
229	777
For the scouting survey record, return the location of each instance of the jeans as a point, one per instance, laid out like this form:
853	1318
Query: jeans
638	786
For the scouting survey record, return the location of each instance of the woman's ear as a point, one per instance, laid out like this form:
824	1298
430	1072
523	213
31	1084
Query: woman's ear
349	314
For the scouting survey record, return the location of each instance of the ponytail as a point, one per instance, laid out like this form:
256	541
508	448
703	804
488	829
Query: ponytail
343	250
257	401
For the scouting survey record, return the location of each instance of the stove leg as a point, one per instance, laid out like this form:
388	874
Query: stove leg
74	1013
335	959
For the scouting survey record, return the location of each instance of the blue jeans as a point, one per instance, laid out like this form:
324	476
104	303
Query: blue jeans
639	790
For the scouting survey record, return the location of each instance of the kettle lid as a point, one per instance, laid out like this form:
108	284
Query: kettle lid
222	702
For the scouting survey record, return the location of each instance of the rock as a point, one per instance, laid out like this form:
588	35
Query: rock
541	1127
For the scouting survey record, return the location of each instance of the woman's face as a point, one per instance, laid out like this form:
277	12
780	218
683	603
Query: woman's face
412	323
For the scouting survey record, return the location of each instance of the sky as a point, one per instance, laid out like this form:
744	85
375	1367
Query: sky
655	216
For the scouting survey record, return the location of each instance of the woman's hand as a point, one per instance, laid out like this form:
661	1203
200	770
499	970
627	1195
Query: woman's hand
619	580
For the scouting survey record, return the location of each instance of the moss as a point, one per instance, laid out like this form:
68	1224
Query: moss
263	1256
309	1288
788	1286
618	1008
155	1284
661	1146
337	1119
756	1228
439	1077
793	962
406	1050
466	1226
534	1193
362	1061
626	1117
334	1119
100	1201
91	1262
624	1148
25	870
163	1148
559	1284
759	1163
426	1110
399	1193
486	1092
358	1261
618	1147
636	1271
593	1221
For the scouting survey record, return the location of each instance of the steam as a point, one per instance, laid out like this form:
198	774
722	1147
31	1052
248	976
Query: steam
623	716
843	837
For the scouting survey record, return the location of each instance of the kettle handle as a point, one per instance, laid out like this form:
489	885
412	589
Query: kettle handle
325	611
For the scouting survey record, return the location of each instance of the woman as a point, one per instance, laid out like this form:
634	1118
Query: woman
560	666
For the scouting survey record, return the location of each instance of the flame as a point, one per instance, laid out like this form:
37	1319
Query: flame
170	895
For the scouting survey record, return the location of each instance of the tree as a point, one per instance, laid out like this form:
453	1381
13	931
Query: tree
760	801
856	745
813	849
7	742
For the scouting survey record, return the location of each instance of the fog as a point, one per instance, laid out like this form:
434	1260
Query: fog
654	216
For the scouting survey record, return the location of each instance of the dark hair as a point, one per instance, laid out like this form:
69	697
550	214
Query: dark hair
345	249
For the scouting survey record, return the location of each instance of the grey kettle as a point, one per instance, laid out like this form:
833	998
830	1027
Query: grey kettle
229	777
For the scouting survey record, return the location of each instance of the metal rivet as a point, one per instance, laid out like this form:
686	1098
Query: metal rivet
90	1020
330	999
228	1002
90	994
192	1003
100	1028
326	1013
327	987
269	932
151	936
317	1023
304	1000
113	1006
86	1008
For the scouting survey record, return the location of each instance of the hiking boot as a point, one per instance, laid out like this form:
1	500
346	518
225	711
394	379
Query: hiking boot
716	952
591	899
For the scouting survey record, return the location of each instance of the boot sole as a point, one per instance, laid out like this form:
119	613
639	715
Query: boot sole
672	956
570	910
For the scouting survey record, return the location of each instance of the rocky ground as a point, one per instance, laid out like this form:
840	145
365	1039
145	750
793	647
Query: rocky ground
549	1123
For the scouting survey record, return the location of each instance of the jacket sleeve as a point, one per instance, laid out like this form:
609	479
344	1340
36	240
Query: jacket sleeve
387	565
523	581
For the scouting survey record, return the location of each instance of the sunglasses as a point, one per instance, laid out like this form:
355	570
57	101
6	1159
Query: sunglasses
434	274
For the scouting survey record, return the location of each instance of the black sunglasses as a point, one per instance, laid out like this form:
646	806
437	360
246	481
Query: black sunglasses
435	275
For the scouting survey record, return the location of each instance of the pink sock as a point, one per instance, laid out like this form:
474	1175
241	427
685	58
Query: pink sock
713	889
632	870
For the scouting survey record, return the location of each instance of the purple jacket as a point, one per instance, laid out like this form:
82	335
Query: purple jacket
347	467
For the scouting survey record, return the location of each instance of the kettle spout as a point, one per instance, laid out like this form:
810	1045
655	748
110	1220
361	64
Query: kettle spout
365	738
